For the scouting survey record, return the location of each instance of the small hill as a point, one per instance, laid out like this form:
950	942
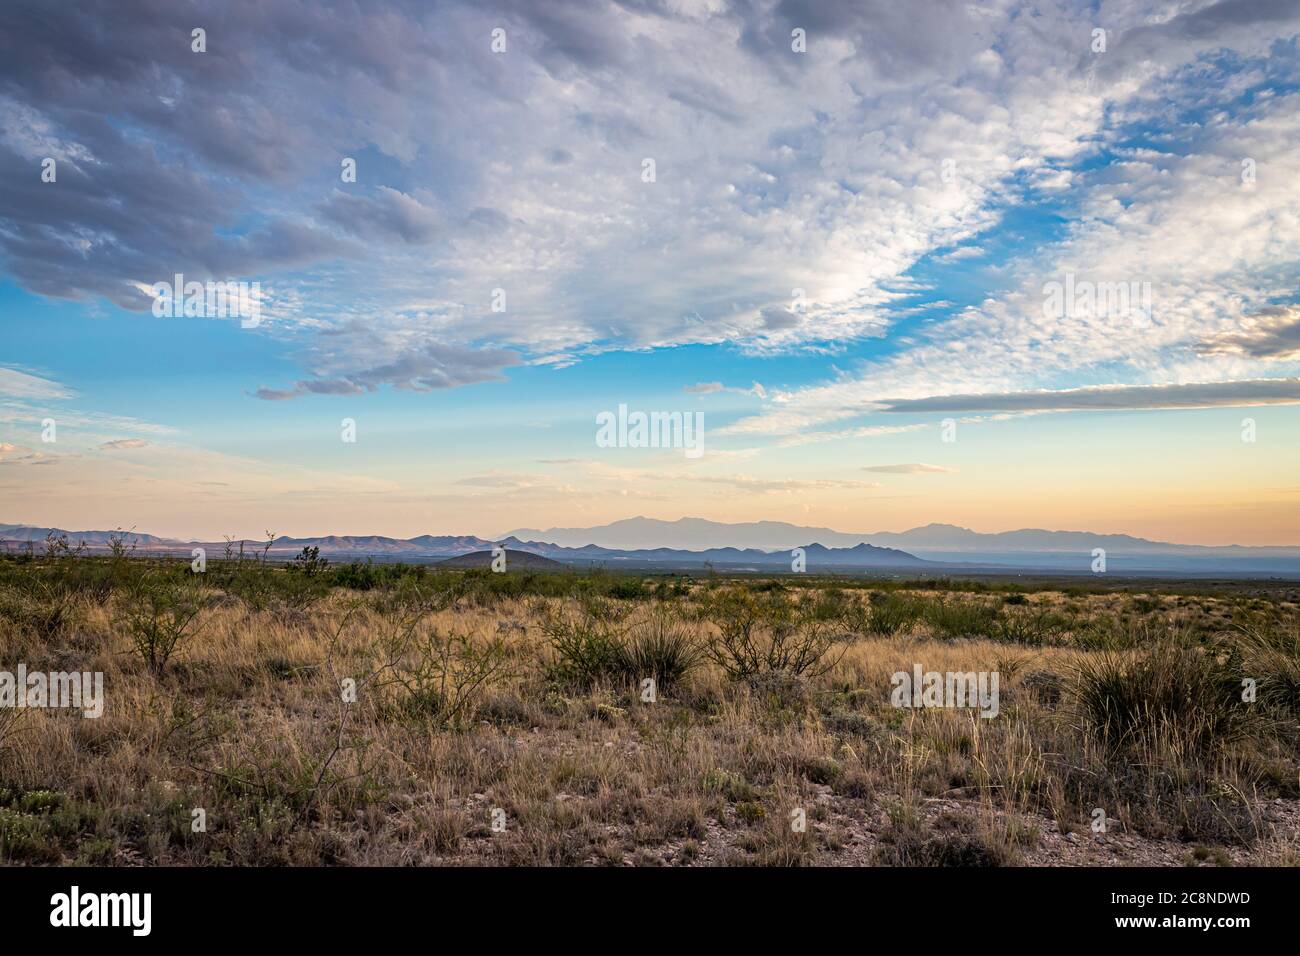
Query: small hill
515	561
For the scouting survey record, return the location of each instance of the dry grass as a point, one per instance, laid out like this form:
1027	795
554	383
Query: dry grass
478	737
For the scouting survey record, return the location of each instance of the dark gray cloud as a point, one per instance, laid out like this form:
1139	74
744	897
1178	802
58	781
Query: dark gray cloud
389	214
195	140
484	218
586	34
436	365
902	41
776	318
163	152
1213	22
1271	334
707	100
276	394
426	368
129	217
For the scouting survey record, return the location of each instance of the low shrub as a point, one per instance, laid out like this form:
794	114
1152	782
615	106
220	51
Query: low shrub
158	615
1170	698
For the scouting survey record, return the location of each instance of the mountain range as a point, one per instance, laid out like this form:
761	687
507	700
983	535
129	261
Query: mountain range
1031	549
942	538
767	545
428	547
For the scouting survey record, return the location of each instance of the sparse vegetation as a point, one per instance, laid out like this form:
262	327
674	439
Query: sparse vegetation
158	614
523	692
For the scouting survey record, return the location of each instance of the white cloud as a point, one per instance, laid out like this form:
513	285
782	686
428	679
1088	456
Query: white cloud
911	468
22	385
786	209
1216	254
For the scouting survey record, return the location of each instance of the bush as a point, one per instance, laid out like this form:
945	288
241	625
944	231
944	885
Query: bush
588	648
158	615
907	841
763	635
44	609
834	606
894	613
594	645
356	576
444	675
957	617
1107	634
661	647
1170	699
626	588
1031	627
1269	653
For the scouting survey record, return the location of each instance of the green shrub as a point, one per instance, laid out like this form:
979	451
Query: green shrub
26	838
158	615
762	635
895	613
957	617
1032	627
663	648
587	648
444	676
596	644
1169	699
907	841
1269	653
44	608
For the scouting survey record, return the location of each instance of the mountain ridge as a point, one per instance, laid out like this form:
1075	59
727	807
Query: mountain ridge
767	545
452	546
934	534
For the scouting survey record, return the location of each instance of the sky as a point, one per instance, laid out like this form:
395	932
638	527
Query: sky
999	265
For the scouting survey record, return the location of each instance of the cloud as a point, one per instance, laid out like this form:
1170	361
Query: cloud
1228	22
864	431
276	394
22	385
789	212
1283	391
711	388
962	252
1136	218
820	173
121	444
703	388
422	369
1272	334
500	481
740	482
389	214
914	468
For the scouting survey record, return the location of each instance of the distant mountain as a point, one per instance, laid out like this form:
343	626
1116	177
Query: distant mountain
1038	549
815	556
92	539
691	534
699	533
429	547
695	543
951	538
515	561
